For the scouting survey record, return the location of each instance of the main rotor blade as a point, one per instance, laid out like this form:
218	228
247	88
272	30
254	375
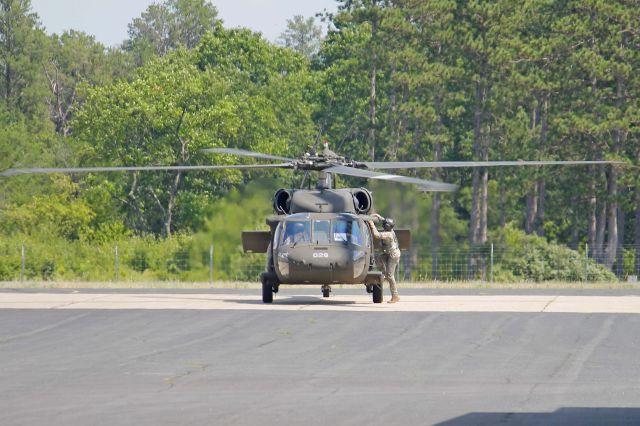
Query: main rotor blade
45	170
245	153
426	185
453	164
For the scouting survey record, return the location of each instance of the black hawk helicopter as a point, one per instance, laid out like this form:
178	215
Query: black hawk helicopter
320	236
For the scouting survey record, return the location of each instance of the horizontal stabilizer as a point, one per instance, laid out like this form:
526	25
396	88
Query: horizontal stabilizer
256	241
404	238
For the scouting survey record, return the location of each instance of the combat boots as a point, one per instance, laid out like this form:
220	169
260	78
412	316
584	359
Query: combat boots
395	298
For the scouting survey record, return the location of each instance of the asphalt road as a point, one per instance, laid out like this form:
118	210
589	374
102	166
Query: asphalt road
269	366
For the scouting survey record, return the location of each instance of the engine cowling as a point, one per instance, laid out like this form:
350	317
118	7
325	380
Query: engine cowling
282	201
362	201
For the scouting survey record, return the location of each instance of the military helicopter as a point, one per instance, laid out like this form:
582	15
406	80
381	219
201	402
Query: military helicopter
320	236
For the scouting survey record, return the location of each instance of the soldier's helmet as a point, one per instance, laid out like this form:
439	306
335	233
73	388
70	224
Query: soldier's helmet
388	224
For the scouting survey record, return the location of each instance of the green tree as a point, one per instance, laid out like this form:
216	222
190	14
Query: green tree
302	35
22	44
168	25
75	61
215	95
599	58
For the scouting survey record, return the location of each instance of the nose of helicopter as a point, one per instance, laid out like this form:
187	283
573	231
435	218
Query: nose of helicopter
325	264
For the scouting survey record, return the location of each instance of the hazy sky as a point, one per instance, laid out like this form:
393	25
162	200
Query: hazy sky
108	20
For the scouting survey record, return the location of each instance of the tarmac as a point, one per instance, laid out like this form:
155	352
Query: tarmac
459	357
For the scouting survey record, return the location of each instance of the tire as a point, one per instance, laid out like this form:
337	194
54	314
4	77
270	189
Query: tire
326	292
267	292
377	293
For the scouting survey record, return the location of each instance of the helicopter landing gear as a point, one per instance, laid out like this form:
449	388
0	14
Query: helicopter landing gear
267	292
373	285
326	290
377	292
269	286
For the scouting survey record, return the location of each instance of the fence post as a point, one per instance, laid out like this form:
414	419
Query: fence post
22	261
211	264
117	271
586	262
434	266
491	265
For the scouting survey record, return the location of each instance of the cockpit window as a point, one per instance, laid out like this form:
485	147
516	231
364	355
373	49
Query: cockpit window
296	231
346	231
321	231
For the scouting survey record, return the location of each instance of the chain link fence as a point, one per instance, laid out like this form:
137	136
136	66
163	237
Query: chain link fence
489	263
536	263
120	263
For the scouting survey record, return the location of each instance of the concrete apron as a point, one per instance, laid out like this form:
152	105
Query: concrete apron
363	303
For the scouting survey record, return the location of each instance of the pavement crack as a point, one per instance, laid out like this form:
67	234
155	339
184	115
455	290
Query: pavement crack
262	345
194	368
529	395
549	303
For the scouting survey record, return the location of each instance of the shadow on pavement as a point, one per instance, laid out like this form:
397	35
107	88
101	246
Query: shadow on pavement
294	301
563	416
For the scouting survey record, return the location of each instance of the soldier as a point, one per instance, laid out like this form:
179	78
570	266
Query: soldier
390	257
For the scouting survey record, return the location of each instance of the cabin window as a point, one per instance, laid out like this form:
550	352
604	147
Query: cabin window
321	231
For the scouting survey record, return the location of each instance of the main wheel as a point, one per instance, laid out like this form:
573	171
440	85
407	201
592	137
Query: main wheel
267	291
326	291
377	293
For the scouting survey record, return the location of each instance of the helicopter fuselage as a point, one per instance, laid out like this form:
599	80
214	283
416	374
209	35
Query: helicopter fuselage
322	248
320	237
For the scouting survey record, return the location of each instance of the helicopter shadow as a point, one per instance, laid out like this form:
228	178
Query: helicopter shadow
595	416
295	301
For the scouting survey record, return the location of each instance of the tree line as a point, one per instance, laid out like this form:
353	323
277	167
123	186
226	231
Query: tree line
390	80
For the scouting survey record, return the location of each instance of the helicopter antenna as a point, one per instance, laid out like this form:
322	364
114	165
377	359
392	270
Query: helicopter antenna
314	149
318	137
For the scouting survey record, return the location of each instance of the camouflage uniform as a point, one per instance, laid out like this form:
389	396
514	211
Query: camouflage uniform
388	260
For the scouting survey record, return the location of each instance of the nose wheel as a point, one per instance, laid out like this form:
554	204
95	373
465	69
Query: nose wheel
269	286
326	291
267	292
377	293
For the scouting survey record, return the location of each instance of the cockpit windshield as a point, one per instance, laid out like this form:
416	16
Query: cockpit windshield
320	231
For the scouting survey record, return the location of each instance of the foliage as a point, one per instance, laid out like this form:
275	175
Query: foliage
215	95
302	35
532	258
169	25
22	47
74	61
240	210
53	215
56	258
392	80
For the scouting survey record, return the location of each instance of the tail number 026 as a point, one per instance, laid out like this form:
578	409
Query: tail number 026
321	254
